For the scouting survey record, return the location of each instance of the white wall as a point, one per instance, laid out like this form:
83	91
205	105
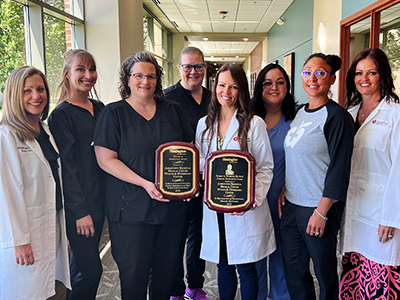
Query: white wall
329	13
114	30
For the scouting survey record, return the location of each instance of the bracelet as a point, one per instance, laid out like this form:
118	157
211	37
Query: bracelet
325	218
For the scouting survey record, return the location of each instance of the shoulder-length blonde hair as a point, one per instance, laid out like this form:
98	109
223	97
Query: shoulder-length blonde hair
14	114
82	57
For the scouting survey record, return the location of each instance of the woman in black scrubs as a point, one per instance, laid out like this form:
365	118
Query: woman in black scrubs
145	228
72	124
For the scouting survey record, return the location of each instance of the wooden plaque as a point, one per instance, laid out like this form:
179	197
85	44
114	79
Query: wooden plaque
229	181
177	170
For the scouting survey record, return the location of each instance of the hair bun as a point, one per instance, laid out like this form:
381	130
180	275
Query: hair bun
336	62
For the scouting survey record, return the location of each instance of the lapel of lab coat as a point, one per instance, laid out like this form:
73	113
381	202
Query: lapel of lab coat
383	105
231	133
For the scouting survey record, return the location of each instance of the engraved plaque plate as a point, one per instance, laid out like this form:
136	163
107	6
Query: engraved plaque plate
177	170
229	181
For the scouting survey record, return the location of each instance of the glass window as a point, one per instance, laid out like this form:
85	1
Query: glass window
146	37
12	40
60	4
389	39
56	41
158	43
359	37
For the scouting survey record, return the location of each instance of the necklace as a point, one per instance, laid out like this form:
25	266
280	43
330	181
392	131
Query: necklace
363	115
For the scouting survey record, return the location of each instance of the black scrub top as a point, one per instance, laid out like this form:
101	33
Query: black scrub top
121	129
83	181
51	155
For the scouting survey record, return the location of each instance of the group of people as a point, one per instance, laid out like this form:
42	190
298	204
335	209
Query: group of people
314	163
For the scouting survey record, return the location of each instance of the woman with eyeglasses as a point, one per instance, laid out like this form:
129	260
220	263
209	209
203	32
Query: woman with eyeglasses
273	102
318	150
145	228
236	241
371	239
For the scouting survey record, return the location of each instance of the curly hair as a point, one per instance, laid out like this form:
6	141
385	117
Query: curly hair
126	69
288	107
334	61
243	115
385	75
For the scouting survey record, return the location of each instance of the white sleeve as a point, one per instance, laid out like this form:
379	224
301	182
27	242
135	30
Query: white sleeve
390	202
264	162
14	222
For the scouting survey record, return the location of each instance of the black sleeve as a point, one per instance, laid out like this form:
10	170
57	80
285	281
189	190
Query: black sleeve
339	134
62	131
107	132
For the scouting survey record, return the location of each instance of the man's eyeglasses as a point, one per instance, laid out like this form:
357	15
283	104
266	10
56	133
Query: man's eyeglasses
197	67
278	84
319	74
141	77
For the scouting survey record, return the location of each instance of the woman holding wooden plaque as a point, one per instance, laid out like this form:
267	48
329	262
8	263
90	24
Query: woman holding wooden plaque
145	228
241	238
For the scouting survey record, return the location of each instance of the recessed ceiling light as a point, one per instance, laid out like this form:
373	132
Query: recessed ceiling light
205	39
212	56
245	39
215	64
237	56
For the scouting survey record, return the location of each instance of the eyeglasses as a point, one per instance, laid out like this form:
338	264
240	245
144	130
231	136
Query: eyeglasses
197	67
319	74
278	84
141	77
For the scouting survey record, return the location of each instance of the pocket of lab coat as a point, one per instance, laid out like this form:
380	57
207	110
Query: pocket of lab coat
368	203
377	138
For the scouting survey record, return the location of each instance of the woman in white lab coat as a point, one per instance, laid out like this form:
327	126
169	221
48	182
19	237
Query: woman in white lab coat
371	241
236	240
33	244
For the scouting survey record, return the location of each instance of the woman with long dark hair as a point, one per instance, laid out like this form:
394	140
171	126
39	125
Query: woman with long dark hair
274	103
371	262
235	241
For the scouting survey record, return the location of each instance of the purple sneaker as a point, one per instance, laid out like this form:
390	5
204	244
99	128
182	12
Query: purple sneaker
176	298
196	294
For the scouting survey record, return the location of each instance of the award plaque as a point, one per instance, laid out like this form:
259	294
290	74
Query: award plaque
229	181
177	170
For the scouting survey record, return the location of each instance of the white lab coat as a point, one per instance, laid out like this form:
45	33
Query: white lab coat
28	216
249	237
374	191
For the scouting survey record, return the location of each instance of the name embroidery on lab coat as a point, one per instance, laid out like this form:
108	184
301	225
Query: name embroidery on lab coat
379	122
25	149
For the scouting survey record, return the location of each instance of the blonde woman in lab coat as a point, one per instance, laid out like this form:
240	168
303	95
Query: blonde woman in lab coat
33	243
370	266
236	240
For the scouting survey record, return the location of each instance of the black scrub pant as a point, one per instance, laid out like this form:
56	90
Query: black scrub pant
194	264
298	247
137	248
85	263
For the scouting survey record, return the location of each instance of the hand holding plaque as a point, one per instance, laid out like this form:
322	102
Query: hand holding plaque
177	170
229	181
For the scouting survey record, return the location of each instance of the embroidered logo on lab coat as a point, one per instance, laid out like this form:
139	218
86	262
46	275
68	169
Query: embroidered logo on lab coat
235	139
380	122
